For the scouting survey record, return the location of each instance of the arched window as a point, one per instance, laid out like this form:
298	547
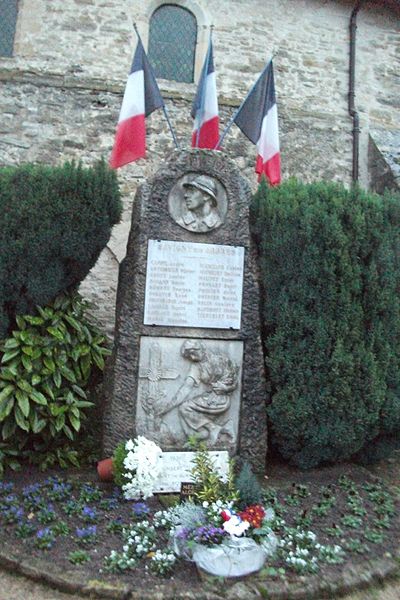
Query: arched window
172	43
8	21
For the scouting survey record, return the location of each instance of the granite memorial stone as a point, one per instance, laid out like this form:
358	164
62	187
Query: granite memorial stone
187	358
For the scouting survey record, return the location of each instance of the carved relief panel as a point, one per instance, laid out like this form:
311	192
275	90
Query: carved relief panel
189	387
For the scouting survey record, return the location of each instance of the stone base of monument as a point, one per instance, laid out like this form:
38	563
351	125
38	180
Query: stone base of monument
188	359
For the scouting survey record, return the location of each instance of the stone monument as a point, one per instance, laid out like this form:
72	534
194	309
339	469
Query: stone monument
187	357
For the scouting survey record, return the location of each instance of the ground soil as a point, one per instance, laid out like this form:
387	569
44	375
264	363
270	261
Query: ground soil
280	476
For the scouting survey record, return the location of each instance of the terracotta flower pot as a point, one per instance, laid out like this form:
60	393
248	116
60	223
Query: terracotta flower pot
105	469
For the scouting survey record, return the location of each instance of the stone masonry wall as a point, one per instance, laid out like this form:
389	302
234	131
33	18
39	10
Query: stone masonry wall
60	94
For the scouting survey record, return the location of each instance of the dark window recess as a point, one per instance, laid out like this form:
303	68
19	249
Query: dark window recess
172	43
8	21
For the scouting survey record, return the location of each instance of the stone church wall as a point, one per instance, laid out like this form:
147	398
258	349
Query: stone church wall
61	92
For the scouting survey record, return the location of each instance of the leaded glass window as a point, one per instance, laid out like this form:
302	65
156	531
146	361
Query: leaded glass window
172	42
8	21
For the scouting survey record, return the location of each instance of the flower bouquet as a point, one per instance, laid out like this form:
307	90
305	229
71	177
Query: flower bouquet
224	528
136	467
228	542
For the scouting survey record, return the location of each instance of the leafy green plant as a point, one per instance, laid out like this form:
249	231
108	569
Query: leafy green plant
25	530
8	458
356	545
118	562
303	520
118	466
325	505
61	528
45	369
374	536
248	486
334	531
78	557
351	521
209	486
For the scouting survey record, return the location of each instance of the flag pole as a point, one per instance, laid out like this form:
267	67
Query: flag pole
203	90
233	117
163	106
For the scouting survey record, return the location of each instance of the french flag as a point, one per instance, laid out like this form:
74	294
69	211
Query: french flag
205	107
258	120
141	98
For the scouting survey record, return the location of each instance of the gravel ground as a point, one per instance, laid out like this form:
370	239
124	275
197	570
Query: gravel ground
14	587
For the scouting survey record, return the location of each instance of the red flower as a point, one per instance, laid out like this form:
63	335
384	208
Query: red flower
254	515
225	516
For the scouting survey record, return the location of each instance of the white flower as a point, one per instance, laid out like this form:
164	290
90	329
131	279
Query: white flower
129	445
235	526
269	514
142	466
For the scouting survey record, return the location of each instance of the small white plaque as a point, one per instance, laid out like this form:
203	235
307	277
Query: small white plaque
177	467
193	285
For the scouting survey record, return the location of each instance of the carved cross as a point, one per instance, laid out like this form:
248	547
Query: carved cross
154	374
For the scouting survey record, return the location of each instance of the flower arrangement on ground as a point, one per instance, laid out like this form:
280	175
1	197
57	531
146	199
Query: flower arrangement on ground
136	467
215	528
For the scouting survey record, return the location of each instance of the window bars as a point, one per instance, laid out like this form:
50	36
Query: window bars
8	21
172	43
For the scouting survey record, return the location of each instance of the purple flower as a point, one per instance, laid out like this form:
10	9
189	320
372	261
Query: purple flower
89	514
90	493
44	538
109	503
140	509
5	488
10	499
183	533
117	493
208	535
31	495
42	533
59	490
28	490
86	534
13	514
46	514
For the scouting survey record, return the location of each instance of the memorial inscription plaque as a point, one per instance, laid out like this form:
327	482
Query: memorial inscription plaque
176	468
187	356
193	285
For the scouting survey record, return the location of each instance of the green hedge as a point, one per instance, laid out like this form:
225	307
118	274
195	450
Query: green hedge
54	222
330	272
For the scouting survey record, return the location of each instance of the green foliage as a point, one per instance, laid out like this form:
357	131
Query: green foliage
249	489
8	458
118	467
329	261
54	222
78	557
45	368
209	486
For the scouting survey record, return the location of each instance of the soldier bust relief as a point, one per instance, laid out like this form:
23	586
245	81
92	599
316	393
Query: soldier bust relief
198	209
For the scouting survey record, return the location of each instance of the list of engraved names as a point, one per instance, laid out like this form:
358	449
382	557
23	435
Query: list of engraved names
193	285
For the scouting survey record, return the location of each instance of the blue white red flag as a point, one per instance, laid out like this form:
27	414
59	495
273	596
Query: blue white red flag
258	120
205	132
141	98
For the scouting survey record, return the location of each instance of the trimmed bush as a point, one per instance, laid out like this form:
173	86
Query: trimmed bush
329	261
54	222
